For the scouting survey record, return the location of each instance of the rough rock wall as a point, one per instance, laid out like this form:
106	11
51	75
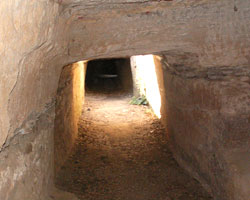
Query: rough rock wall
26	35
27	81
208	123
26	164
69	102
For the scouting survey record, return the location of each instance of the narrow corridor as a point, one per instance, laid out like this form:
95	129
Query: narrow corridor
122	154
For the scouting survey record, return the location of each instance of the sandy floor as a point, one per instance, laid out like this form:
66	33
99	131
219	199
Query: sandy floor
122	154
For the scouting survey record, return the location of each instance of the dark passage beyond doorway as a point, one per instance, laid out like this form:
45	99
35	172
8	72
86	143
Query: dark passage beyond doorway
109	75
122	154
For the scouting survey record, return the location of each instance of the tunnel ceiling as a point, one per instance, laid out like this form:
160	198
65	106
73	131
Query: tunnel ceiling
118	28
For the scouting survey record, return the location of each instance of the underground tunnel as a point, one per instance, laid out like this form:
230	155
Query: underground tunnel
202	48
118	149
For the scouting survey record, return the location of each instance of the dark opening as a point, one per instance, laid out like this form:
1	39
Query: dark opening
109	75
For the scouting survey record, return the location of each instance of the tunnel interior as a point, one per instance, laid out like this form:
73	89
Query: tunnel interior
114	149
78	124
204	85
109	75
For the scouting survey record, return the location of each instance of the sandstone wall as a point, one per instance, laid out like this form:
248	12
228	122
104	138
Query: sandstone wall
69	102
27	83
26	164
208	125
206	112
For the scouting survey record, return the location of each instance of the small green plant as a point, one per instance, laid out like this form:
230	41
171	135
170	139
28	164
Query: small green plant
142	100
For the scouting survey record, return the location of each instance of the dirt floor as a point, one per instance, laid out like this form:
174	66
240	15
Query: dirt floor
122	154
